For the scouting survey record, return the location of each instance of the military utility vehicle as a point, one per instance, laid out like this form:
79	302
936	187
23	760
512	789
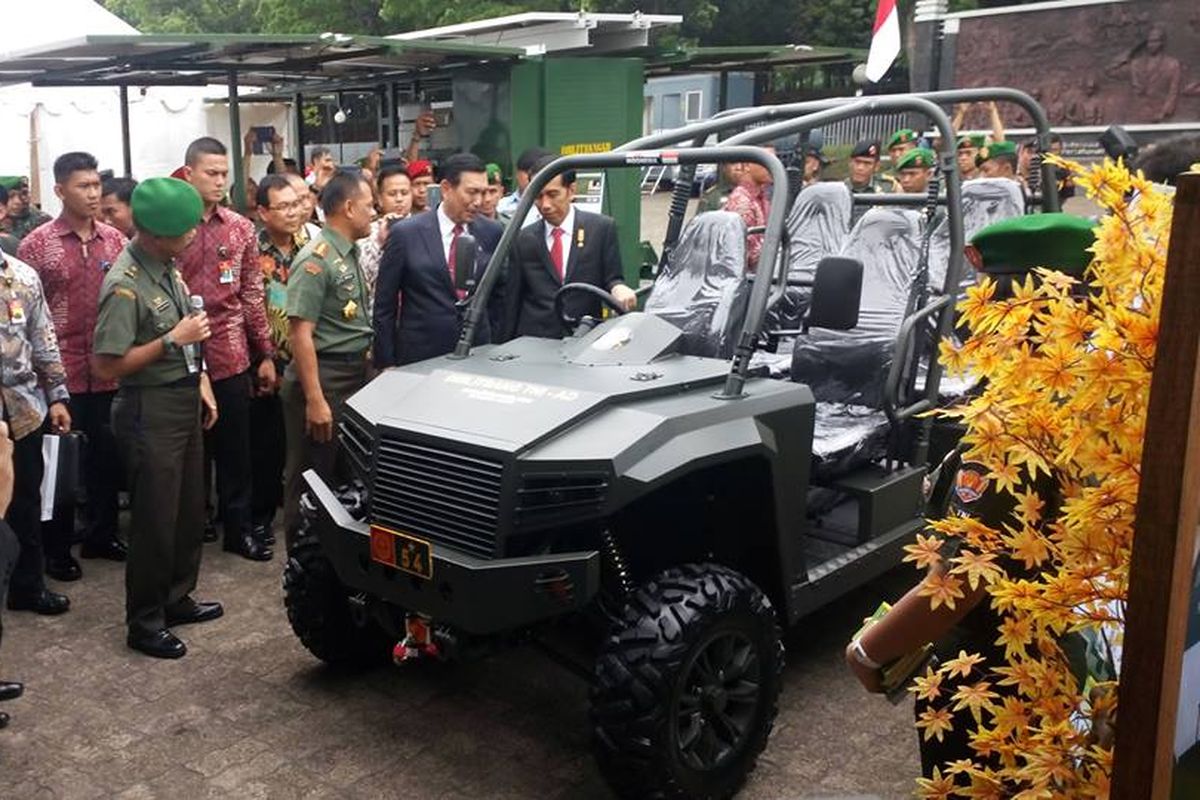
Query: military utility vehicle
660	475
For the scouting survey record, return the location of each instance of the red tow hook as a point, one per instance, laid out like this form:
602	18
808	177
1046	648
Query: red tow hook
418	641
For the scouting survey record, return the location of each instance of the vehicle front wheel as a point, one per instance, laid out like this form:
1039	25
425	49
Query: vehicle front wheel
687	685
320	612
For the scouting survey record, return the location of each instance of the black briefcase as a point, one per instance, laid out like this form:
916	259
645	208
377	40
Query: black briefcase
69	466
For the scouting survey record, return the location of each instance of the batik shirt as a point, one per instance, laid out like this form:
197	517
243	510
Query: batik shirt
275	268
71	271
31	369
749	201
220	265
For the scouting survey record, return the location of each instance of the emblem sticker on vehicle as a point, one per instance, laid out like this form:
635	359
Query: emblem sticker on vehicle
971	482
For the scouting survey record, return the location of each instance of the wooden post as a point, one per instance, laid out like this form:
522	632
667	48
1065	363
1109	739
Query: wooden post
1167	515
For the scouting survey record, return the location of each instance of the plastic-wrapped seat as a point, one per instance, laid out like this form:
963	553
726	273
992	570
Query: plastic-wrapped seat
701	289
817	226
985	201
847	370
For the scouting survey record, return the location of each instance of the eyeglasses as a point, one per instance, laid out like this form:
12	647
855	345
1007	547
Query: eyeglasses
287	206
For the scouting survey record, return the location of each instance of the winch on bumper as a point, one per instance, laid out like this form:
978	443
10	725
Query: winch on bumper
471	594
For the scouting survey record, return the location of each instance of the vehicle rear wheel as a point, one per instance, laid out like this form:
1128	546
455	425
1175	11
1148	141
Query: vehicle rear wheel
687	685
320	612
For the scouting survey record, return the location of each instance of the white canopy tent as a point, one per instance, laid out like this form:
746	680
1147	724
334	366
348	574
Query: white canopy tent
39	123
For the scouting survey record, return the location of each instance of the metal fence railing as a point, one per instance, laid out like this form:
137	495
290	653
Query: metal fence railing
850	131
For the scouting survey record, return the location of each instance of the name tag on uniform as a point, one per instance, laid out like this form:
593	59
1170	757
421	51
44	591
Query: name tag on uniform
16	311
225	272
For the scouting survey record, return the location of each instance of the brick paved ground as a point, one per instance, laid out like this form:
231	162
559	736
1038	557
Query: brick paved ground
250	714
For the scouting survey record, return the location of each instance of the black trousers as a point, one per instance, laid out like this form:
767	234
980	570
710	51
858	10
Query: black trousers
91	413
25	513
229	445
268	453
162	446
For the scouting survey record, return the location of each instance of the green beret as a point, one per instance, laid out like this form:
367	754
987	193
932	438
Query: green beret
917	158
11	182
975	140
493	173
902	136
1021	244
995	150
166	207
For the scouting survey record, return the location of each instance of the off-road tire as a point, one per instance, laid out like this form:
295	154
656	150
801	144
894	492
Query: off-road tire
318	608
656	654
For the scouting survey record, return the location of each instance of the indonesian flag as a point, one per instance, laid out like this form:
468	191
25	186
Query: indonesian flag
885	41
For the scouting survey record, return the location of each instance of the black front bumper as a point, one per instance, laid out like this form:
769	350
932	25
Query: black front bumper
470	594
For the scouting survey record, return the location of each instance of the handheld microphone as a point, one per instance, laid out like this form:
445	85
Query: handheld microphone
193	354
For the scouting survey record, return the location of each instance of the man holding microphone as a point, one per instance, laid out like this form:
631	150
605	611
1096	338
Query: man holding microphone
148	336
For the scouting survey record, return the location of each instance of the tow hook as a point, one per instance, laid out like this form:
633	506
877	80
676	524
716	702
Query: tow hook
419	643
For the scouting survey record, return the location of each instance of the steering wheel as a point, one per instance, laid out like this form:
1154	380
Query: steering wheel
604	297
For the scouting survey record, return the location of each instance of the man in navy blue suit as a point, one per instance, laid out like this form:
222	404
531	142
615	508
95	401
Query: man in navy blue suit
416	316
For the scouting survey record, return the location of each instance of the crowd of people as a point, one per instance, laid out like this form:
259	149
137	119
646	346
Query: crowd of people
185	340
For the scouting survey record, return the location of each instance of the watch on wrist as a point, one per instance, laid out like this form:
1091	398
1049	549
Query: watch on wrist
169	344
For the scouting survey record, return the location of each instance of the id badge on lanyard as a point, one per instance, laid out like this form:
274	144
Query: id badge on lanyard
224	265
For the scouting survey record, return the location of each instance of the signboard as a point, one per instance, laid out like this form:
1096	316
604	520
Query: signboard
589	191
1087	64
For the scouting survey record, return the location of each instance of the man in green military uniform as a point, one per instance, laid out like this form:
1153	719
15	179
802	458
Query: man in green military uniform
901	142
8	242
22	217
915	169
967	148
330	332
864	166
148	336
1008	252
998	160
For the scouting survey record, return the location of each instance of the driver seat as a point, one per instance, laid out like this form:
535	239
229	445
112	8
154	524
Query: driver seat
701	290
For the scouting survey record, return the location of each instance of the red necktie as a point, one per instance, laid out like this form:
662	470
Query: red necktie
556	251
457	232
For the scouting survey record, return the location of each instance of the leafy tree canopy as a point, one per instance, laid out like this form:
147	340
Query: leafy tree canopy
845	23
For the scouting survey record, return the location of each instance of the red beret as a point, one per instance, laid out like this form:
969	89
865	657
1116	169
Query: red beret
420	168
180	173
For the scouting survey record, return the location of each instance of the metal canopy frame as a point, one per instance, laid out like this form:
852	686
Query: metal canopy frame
295	64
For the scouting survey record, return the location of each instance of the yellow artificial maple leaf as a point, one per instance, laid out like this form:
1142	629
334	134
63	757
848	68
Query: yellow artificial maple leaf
962	664
935	723
941	589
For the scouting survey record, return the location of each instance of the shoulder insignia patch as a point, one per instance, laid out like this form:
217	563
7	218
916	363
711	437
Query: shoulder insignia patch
121	291
321	248
971	482
313	268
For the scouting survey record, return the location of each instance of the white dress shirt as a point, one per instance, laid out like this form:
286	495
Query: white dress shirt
568	226
446	226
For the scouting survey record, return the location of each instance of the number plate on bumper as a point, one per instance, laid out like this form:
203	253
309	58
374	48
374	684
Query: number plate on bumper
401	551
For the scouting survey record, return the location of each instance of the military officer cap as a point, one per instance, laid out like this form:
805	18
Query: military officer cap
917	158
975	140
166	207
902	136
1019	245
867	148
995	150
419	169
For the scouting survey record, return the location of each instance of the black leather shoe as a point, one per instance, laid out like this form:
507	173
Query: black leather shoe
210	532
247	547
191	611
10	690
160	644
264	535
112	549
3	720
47	602
63	568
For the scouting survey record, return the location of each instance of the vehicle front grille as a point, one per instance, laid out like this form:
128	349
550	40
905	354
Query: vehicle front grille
449	498
557	497
356	439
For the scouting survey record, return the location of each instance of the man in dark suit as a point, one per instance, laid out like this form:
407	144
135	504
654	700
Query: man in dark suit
415	314
566	246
